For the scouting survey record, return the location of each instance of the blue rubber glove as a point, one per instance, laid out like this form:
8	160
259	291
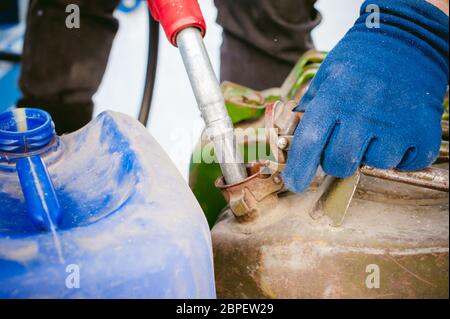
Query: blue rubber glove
377	99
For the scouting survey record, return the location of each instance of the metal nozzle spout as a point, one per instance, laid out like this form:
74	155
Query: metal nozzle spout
211	104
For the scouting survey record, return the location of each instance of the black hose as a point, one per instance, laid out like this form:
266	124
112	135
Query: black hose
10	57
153	46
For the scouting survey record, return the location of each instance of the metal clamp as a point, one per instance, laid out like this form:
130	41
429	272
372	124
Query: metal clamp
248	197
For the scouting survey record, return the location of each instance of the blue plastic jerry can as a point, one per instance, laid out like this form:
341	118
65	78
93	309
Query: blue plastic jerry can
99	213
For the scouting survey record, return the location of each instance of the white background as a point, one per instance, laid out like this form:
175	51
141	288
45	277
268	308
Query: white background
175	121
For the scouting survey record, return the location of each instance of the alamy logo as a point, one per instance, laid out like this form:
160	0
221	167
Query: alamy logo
373	279
373	19
73	19
73	277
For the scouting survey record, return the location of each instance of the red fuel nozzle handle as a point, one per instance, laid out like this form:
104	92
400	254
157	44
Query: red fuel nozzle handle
177	15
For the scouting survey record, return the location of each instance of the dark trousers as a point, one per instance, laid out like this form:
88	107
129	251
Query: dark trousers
63	68
263	39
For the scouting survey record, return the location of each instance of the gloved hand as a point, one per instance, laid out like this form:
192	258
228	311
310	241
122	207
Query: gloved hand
377	99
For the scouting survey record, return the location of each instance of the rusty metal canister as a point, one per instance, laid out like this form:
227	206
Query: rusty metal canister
393	244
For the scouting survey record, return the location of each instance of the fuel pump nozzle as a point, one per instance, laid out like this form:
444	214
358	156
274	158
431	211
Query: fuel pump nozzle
183	23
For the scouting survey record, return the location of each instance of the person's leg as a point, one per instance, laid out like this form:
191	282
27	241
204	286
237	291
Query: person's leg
263	39
62	68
